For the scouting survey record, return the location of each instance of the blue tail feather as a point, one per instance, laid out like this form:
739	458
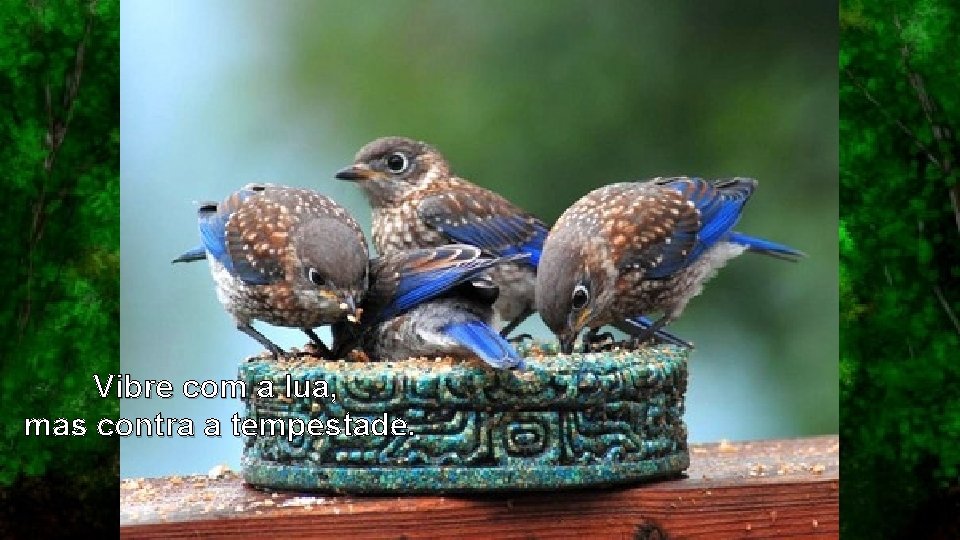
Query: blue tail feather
196	253
486	342
766	247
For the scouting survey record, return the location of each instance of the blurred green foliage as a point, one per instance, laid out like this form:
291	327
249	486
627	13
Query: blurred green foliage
900	263
544	101
59	123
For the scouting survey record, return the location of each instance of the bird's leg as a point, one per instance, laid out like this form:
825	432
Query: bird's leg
321	346
512	325
270	346
345	338
313	337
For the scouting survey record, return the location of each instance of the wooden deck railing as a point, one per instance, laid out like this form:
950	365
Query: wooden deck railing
762	489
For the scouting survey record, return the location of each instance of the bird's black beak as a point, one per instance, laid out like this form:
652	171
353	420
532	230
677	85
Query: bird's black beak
353	312
575	323
355	173
566	342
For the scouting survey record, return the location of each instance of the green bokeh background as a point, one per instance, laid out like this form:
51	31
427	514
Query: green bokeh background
60	300
541	101
900	270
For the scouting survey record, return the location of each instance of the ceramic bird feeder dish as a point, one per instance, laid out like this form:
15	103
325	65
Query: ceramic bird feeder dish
567	421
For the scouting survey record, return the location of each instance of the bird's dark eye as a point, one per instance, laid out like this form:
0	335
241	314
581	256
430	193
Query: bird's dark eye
580	297
315	277
397	163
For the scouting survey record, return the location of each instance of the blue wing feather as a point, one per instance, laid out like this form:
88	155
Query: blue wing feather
417	287
489	236
482	219
486	343
423	278
720	205
716	224
213	234
534	247
212	219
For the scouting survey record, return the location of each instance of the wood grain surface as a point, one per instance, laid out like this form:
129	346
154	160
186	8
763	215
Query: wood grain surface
759	489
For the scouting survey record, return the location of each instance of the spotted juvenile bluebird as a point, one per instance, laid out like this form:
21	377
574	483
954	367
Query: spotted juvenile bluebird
417	202
286	256
634	248
430	302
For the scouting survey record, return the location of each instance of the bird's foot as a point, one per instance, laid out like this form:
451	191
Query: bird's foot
313	349
650	338
357	355
639	342
598	342
306	352
319	347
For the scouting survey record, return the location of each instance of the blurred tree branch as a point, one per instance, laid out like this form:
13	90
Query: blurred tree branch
943	133
946	151
58	123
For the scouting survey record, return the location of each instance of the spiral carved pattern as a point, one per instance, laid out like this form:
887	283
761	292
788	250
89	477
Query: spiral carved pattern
611	409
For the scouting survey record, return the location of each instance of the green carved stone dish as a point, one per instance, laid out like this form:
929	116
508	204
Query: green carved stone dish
572	421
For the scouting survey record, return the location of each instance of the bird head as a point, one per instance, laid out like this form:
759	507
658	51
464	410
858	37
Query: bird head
390	166
569	293
334	257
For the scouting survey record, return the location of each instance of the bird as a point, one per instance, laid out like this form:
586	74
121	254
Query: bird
418	202
630	249
430	302
286	256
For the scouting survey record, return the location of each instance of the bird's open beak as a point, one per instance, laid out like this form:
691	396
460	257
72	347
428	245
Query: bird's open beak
355	173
